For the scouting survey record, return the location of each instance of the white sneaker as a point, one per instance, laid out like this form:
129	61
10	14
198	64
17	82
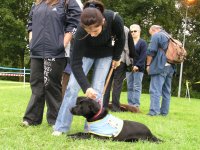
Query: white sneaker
56	133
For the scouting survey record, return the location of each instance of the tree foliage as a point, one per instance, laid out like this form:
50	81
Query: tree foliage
13	19
167	13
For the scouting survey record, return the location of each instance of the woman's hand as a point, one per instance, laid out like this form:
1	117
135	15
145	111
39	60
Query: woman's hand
135	69
115	63
147	69
91	93
30	36
67	39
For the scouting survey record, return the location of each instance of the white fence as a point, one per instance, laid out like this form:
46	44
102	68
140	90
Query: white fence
6	71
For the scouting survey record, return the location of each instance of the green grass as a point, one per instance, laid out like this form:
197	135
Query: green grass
180	130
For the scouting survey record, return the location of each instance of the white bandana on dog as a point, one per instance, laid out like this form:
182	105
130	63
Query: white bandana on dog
109	126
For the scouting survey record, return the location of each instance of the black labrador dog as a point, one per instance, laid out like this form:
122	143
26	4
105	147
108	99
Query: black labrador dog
98	118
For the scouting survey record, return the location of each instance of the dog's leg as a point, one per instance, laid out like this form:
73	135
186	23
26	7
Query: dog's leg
80	135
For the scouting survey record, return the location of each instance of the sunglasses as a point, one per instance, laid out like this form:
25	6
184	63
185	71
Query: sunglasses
134	31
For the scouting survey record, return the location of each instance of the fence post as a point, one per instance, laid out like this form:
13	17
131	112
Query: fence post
24	75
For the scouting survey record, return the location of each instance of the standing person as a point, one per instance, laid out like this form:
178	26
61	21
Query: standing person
160	70
92	46
67	70
134	78
119	74
50	29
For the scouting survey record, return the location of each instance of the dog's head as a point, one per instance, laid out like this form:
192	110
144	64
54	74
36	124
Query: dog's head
85	107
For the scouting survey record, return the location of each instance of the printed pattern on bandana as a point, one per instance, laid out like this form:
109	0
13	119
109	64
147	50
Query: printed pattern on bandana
47	69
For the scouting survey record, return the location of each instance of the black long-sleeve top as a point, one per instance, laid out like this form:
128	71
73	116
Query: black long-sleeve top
141	51
131	47
97	47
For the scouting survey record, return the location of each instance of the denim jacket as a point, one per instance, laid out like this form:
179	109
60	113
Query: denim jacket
157	48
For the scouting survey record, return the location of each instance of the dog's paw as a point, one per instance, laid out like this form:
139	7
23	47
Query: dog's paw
57	133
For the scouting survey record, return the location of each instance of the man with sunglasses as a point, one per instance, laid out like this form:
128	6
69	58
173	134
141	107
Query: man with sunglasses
135	77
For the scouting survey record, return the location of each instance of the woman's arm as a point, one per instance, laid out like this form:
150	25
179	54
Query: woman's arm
72	20
78	49
72	16
30	23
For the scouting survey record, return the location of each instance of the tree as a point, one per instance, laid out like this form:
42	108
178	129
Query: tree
168	13
13	16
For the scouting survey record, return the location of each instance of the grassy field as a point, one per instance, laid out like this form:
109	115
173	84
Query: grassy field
180	130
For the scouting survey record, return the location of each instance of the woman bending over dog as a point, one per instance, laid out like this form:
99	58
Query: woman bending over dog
93	46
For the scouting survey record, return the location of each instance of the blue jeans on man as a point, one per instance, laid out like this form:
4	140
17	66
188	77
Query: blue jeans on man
160	85
134	87
100	71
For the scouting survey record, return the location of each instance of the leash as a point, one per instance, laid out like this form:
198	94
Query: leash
107	80
104	90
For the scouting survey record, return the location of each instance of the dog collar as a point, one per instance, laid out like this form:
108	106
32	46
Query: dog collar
99	112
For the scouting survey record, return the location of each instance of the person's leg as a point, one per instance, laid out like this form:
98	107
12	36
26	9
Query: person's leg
166	92
65	80
101	68
35	108
64	119
137	88
53	90
155	91
119	76
65	76
130	80
100	72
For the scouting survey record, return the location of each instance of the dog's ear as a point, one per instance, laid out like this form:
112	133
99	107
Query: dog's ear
79	99
94	106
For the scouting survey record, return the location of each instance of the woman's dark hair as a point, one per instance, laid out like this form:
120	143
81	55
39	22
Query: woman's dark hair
92	13
94	4
49	2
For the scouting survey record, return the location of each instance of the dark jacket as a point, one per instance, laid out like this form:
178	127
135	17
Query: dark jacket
141	52
131	47
97	47
49	24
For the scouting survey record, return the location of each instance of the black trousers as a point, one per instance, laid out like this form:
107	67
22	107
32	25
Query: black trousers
116	79
45	81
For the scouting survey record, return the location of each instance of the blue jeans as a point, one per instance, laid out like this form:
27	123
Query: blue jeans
160	85
134	87
101	68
